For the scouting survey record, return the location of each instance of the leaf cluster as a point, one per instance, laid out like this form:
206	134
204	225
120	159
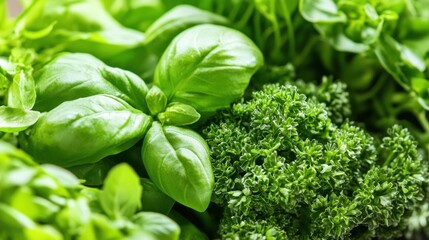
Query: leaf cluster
286	168
48	202
67	107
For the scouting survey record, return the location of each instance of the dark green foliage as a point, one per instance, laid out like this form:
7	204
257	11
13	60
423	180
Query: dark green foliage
285	170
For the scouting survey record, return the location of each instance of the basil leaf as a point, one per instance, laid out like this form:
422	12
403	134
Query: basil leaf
10	151
93	173
44	232
4	84
11	218
76	75
65	178
156	100
121	193
79	26
158	225
117	40
32	206
399	61
137	14
176	20
137	235
153	200
188	231
84	131
321	11
207	67
100	227
143	59
16	120
177	160
179	114
22	91
74	214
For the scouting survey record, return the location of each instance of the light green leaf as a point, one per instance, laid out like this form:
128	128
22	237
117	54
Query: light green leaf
156	100
16	120
421	88
399	61
100	227
39	33
12	218
325	11
45	232
121	193
116	40
75	214
46	186
78	26
136	14
36	208
20	177
176	20
177	160
153	200
64	177
207	67
6	149
4	85
339	40
138	235
179	114
84	131
22	91
75	75
158	225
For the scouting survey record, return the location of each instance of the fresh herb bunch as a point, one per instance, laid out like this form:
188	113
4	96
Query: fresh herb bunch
379	48
76	110
48	202
88	84
286	168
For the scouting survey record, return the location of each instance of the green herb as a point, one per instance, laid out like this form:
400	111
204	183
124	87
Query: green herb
77	75
93	85
196	70
93	111
177	161
48	202
61	135
285	170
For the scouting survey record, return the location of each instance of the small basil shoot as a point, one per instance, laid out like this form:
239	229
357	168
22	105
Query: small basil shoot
179	114
121	193
156	100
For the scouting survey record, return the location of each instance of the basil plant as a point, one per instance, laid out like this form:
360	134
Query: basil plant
91	111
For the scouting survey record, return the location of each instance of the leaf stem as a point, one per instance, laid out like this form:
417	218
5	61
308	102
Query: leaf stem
246	16
290	30
276	29
303	55
373	91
